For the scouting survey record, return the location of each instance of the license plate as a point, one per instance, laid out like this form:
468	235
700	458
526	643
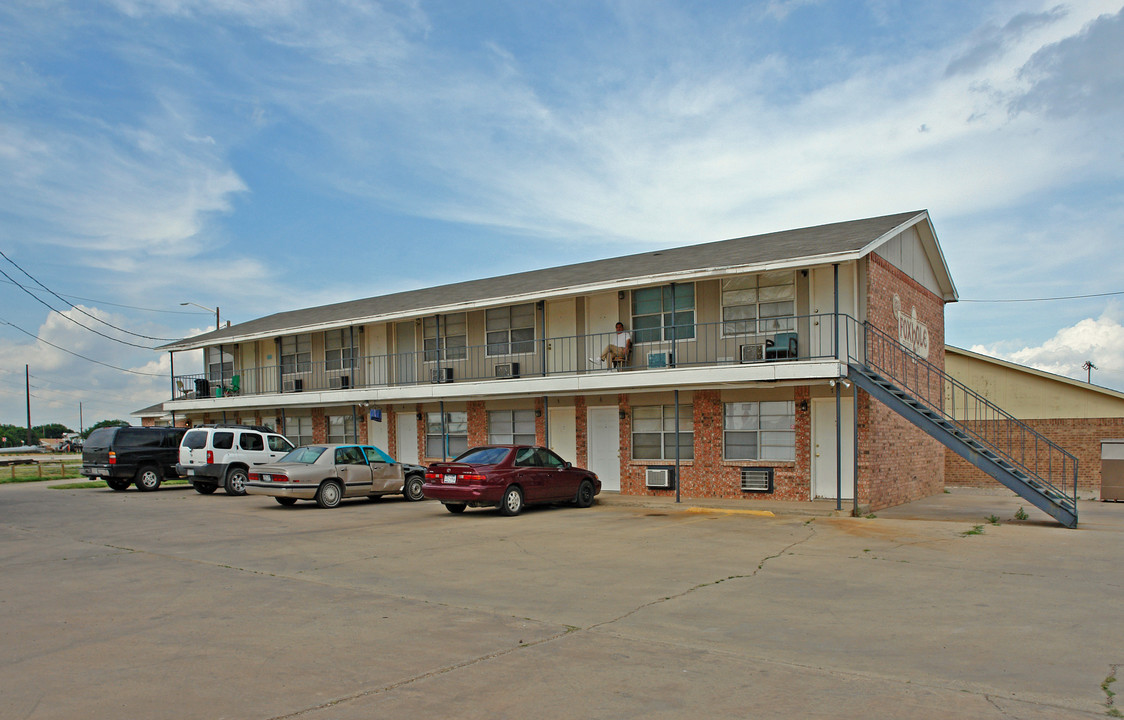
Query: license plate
190	472
449	479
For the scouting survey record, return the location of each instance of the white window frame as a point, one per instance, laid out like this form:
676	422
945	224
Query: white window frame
341	428
220	364
298	428
674	323
659	421
503	324
339	353
455	439
770	423
296	354
511	427
753	301
447	346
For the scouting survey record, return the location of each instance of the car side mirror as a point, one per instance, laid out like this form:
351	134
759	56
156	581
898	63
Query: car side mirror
567	466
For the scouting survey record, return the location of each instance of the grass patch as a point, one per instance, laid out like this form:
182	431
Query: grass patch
43	470
976	530
993	519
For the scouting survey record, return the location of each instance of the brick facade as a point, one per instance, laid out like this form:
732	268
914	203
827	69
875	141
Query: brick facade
897	462
581	428
1079	436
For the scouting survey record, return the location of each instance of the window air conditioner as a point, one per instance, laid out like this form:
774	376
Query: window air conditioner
757	479
441	375
296	385
660	359
340	382
507	370
659	477
752	353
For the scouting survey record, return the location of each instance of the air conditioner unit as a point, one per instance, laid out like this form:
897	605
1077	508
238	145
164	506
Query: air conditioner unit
441	375
340	382
507	370
296	385
752	353
659	477
757	479
661	359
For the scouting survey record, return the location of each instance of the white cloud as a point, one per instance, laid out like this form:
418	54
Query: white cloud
1097	340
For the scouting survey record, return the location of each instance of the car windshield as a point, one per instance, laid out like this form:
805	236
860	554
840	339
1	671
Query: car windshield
484	456
304	455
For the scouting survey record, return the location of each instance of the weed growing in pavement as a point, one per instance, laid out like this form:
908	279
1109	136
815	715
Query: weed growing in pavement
1021	514
993	519
976	530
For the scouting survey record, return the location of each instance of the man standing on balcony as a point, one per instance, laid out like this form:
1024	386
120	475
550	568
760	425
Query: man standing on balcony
619	348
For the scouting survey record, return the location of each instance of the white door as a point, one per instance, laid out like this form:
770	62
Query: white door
563	433
407	427
823	447
604	447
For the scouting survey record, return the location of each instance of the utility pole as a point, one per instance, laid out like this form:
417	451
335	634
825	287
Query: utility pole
1089	367
27	387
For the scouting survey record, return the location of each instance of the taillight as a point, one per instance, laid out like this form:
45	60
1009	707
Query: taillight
277	477
253	477
112	458
432	476
479	478
210	457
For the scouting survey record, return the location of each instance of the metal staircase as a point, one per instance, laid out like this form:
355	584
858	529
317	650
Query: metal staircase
1002	446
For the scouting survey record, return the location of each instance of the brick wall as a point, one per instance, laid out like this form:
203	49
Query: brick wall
319	425
708	475
391	419
898	462
540	422
1080	436
477	423
581	428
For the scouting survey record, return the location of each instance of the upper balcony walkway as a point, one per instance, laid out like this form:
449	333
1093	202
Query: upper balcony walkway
737	346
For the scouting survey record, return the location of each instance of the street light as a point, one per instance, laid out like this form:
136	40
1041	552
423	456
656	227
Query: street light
216	311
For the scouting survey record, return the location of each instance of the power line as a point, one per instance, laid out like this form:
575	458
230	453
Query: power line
130	307
83	357
1045	299
74	307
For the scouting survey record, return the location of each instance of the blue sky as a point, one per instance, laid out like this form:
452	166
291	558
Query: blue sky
261	156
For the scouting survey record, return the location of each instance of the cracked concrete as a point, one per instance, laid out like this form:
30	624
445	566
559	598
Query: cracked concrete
217	607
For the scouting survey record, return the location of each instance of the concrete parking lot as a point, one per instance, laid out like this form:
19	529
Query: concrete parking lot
175	605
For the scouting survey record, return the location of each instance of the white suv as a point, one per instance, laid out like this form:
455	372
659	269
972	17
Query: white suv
213	455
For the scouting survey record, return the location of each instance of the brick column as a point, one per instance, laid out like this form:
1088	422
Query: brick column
477	423
581	425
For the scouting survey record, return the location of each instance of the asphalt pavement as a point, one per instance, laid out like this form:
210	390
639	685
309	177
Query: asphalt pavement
177	605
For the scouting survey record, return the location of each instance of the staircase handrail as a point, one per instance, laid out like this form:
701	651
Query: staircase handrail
893	347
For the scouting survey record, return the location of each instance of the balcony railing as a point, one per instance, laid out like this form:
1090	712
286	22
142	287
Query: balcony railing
737	342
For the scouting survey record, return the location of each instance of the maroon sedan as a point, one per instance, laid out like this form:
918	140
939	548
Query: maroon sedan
508	477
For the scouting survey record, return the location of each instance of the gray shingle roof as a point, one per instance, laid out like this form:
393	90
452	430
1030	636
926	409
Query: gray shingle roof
778	247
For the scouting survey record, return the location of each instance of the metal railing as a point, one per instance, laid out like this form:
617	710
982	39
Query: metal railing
737	342
972	414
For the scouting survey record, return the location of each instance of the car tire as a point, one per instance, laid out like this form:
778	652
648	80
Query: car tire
204	488
512	503
413	488
585	494
287	502
329	495
148	478
117	485
455	508
236	482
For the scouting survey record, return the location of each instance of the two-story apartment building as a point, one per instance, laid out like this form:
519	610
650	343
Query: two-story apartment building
739	383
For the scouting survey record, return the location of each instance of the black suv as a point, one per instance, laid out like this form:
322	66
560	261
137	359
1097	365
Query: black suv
126	455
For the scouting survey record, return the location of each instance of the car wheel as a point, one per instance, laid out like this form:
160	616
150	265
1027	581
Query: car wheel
148	478
236	482
585	494
118	485
329	494
287	502
413	489
204	488
455	508
512	502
